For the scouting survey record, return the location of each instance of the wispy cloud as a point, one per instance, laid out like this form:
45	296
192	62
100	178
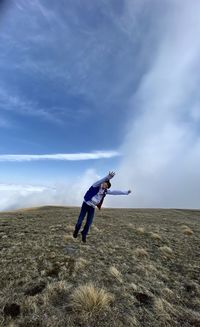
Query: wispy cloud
65	58
5	123
60	156
20	105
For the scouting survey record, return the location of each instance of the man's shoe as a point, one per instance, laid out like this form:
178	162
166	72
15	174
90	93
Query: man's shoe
83	238
75	233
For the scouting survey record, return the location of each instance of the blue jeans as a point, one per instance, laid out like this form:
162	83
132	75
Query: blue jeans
85	209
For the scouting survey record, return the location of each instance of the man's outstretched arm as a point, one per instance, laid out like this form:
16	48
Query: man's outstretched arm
117	192
106	178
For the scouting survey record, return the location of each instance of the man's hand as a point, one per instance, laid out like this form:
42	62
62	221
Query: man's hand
129	191
111	174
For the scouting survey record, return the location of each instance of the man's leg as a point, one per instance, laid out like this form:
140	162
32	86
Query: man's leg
90	216
80	219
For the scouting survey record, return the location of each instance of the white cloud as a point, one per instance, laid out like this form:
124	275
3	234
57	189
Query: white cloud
21	188
15	196
60	156
161	150
162	146
71	193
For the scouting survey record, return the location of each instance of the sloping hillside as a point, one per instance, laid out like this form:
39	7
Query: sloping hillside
138	268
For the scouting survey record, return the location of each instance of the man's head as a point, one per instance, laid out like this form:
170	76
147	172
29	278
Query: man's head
106	185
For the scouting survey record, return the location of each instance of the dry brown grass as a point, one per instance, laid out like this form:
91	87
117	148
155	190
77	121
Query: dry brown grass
155	236
95	229
12	324
70	228
161	307
141	253
89	298
166	250
140	230
137	268
187	230
167	293
116	273
68	238
133	286
80	263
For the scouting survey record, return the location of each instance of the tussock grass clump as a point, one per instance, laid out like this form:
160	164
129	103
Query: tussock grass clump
140	230
150	268
96	229
80	263
141	253
57	287
4	236
155	236
70	228
161	308
68	238
168	307
89	298
11	324
133	286
187	230
167	293
116	273
184	226
166	250
31	306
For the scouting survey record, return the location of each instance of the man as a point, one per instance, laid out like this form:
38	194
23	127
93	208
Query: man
94	197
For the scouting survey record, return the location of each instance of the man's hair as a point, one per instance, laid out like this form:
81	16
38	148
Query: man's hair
108	183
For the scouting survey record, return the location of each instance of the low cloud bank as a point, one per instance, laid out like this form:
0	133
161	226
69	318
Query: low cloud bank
14	196
161	151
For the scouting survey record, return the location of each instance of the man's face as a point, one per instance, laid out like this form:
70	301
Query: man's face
104	185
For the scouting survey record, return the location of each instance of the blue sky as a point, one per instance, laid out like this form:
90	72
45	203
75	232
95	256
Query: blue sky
115	80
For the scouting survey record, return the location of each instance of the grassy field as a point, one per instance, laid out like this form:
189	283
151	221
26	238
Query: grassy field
139	267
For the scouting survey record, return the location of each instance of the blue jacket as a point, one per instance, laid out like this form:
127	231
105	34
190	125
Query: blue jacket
96	187
92	192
